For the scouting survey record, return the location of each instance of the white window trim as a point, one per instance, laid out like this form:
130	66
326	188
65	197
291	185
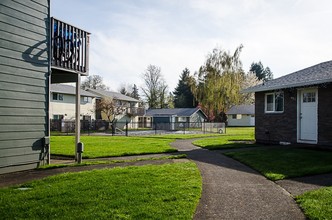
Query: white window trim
274	103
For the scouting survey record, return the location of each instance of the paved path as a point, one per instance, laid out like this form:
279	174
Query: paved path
299	185
232	190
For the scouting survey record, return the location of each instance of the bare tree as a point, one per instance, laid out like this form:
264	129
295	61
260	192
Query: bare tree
155	87
111	109
94	82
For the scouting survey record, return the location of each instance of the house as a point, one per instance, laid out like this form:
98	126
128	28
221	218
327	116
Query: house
174	118
241	115
24	71
295	108
33	50
63	99
130	112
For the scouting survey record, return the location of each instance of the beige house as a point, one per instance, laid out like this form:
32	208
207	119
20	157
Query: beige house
62	103
131	109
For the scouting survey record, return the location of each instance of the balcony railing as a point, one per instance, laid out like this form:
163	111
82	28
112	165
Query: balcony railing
135	111
70	47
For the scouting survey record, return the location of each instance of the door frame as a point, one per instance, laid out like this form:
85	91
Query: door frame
299	101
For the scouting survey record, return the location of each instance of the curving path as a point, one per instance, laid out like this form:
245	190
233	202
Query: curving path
232	190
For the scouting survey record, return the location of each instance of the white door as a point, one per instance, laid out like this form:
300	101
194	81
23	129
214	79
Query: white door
308	115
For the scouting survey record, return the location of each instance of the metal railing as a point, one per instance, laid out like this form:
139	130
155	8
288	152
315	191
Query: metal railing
138	128
70	47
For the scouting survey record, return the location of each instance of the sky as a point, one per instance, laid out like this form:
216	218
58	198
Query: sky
129	35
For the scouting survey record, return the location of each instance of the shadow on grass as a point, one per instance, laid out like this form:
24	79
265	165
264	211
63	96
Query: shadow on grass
232	145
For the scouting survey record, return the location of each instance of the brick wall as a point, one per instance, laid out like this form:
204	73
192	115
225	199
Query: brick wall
325	115
275	127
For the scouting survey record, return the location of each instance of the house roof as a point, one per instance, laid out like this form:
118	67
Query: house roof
241	109
180	112
114	95
314	75
68	89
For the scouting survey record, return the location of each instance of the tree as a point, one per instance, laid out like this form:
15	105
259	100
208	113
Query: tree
134	94
154	88
111	109
250	80
124	89
183	96
217	84
94	82
170	100
129	90
262	73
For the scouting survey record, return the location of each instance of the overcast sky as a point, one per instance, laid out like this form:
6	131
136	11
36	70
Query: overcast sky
128	35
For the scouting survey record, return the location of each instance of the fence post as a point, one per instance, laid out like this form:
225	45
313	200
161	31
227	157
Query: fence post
155	127
204	127
126	128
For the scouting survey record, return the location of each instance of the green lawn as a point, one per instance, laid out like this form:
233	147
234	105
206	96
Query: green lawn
317	204
280	163
108	146
235	137
170	191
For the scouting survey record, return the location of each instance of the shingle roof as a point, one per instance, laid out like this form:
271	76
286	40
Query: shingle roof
114	95
241	109
180	112
314	75
68	89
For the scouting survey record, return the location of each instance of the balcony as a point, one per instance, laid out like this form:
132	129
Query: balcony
69	52
135	111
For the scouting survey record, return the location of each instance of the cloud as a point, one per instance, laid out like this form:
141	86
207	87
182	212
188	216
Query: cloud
129	35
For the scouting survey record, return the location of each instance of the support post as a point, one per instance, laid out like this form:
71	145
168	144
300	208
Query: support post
78	114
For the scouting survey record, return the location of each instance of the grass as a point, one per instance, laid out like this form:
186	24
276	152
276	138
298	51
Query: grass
277	164
168	191
107	146
96	162
112	146
317	204
235	137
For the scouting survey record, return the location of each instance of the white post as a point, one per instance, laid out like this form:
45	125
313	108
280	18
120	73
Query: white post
78	115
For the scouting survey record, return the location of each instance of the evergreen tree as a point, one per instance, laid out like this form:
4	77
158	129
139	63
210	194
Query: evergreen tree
262	73
134	93
183	97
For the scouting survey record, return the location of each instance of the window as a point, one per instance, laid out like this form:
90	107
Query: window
86	99
274	102
238	116
57	117
182	119
233	116
58	96
309	97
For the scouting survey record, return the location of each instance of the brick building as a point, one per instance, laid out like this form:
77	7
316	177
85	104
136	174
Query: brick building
295	108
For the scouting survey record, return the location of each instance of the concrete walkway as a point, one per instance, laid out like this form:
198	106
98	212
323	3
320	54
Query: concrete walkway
232	190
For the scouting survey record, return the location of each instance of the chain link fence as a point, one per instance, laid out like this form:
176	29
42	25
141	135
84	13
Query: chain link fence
137	128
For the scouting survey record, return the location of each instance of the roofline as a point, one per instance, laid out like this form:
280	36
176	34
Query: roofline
100	95
292	85
72	93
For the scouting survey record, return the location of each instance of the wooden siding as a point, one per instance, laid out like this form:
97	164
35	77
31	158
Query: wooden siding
24	70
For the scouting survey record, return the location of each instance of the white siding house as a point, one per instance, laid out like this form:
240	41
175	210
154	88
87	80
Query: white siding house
62	103
131	108
241	115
